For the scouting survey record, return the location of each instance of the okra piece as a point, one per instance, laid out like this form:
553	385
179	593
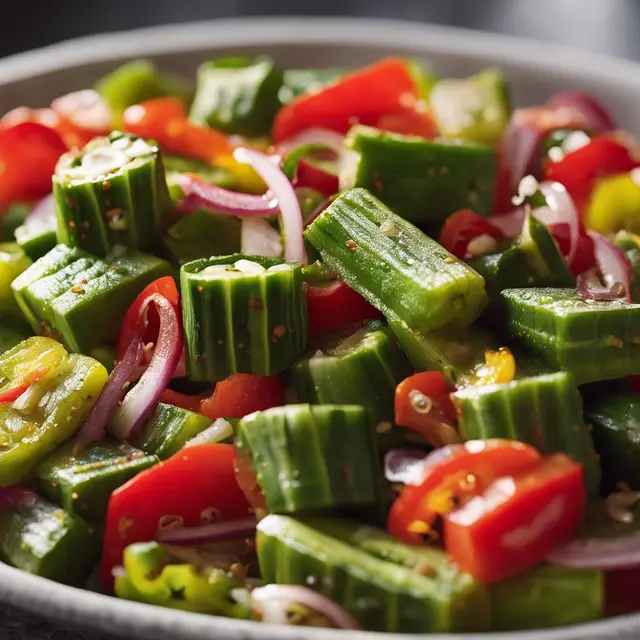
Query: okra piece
52	409
168	429
475	108
111	193
81	299
13	261
615	420
298	81
383	594
137	81
422	180
360	365
590	339
312	457
44	540
396	267
82	483
547	596
242	314
154	575
38	235
630	244
237	95
202	234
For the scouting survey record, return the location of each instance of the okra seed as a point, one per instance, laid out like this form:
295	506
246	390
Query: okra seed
389	228
449	259
74	495
420	402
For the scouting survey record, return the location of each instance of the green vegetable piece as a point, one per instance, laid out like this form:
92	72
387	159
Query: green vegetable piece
106	355
13	261
592	340
82	483
137	81
543	410
422	180
80	298
202	234
312	457
113	192
299	81
42	539
176	166
54	407
152	574
615	419
237	95
360	365
168	429
36	239
13	331
630	244
381	587
256	317
395	266
475	108
12	218
423	76
547	596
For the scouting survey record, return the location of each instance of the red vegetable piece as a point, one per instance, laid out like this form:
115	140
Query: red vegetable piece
584	258
184	400
464	226
309	175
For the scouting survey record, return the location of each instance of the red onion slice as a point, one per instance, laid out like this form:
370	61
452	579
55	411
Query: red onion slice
199	194
405	466
599	553
14	495
597	117
259	238
510	223
314	135
613	264
85	109
274	600
284	194
95	426
205	534
141	400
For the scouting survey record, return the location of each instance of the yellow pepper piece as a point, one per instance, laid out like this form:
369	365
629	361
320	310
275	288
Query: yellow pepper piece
499	367
615	204
248	180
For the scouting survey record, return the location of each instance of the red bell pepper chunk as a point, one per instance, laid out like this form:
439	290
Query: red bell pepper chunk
336	306
409	122
364	96
184	400
584	257
308	175
187	485
242	394
464	226
466	470
29	152
518	520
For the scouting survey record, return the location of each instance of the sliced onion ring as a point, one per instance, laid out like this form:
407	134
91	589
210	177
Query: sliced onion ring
94	428
613	264
509	223
140	401
259	238
404	466
284	194
314	135
274	600
205	534
622	552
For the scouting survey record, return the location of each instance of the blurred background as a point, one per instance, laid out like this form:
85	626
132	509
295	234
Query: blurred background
608	26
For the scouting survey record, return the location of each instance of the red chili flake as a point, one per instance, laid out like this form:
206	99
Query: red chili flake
77	289
279	332
71	224
106	185
351	245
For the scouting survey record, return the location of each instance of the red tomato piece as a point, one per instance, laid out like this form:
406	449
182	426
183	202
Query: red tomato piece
465	470
336	306
584	257
183	400
187	485
409	122
308	175
364	96
464	226
516	522
242	394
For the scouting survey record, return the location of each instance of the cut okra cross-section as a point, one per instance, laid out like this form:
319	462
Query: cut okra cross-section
590	339
395	266
112	192
242	314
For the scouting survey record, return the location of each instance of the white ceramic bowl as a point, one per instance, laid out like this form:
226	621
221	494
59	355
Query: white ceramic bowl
535	70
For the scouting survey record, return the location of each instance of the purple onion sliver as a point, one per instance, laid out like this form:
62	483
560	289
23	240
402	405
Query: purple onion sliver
613	264
14	495
405	466
589	288
622	552
597	116
208	533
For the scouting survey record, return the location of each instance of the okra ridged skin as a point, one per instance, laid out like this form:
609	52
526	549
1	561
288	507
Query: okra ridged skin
630	244
547	596
542	410
45	540
362	365
396	267
81	299
242	321
312	456
592	340
111	193
615	419
381	595
82	483
423	180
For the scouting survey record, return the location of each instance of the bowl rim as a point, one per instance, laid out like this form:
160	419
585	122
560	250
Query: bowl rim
112	615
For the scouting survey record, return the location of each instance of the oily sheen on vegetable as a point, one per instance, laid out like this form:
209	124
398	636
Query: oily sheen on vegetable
352	348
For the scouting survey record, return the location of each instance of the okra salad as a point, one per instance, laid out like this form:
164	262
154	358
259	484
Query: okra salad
349	348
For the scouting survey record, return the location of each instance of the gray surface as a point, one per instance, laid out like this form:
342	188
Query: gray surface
18	625
535	72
